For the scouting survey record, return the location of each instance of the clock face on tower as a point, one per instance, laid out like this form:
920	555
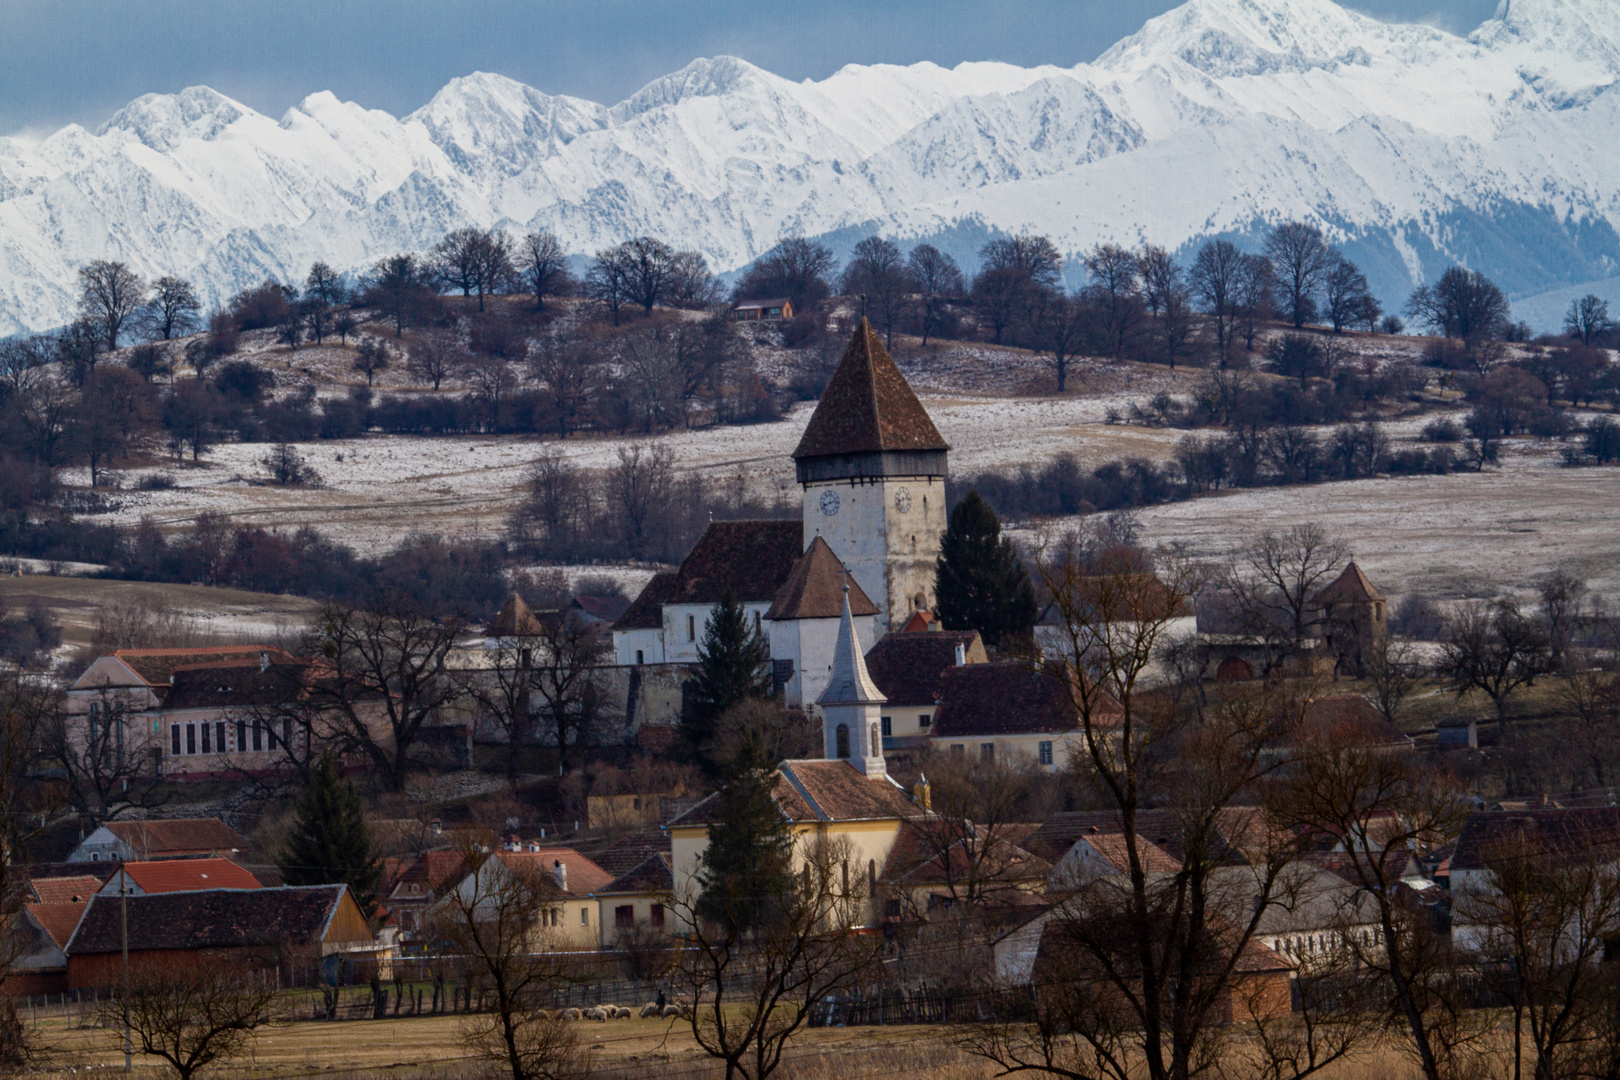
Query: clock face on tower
829	503
902	500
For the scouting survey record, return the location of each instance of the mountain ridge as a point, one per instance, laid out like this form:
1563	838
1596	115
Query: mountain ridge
1413	146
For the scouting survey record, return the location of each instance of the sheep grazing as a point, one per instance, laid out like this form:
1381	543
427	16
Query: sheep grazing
622	1013
649	1009
542	1014
595	1012
670	1010
568	1014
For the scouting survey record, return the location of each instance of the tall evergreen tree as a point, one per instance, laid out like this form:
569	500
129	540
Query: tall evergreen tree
747	866
330	844
980	583
733	664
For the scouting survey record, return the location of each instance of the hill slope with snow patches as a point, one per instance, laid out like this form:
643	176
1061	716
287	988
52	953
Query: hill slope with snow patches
1414	147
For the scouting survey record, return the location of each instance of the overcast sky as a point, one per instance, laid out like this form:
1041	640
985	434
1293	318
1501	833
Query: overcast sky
65	61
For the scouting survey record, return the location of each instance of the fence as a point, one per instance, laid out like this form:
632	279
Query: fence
918	1005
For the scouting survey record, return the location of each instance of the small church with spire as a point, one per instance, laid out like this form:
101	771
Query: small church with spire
872	467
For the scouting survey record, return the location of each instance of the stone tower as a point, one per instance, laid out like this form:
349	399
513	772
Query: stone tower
1354	622
851	727
872	466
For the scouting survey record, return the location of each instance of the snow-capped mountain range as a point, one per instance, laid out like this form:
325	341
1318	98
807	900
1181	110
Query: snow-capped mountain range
1413	146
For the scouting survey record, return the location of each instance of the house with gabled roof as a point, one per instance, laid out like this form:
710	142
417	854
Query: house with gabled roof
174	838
287	930
1010	709
178	875
569	918
638	899
909	669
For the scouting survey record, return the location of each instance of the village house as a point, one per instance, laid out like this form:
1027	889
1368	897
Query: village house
937	864
773	309
37	942
1553	838
909	669
639	899
418	885
1007	710
569	919
143	841
286	933
1346	621
178	875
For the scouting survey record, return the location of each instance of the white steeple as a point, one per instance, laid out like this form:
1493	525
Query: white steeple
850	725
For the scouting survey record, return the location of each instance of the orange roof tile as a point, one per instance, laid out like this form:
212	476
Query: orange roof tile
182	875
64	890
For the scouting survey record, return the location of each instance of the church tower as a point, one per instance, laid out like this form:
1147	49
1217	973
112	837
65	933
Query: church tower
872	466
851	728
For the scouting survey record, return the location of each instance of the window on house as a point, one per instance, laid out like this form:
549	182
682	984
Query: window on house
691	628
219	736
871	875
241	735
924	720
841	740
891	909
756	622
208	739
624	915
888	727
640	659
657	914
269	735
191	738
1046	753
258	736
174	740
987	751
286	731
584	916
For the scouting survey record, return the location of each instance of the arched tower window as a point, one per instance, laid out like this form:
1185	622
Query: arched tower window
841	739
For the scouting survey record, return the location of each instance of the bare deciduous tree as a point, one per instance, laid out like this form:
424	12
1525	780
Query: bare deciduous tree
1302	260
544	267
434	355
191	1013
1274	580
174	308
1495	649
110	295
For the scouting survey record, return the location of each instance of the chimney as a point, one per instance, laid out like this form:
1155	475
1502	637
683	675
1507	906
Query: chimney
435	827
264	661
559	874
513	843
923	793
961	654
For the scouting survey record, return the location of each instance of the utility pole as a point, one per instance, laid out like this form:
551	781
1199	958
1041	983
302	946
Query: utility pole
123	914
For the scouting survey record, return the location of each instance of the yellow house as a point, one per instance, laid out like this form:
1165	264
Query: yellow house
570	916
638	899
848	795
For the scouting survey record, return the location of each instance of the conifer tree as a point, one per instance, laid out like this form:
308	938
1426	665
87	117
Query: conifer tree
330	844
747	866
733	664
980	583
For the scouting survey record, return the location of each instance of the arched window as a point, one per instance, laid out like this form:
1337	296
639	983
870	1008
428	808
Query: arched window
877	742
841	739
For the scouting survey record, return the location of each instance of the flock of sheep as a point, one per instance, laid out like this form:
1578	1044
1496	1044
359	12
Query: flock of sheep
605	1013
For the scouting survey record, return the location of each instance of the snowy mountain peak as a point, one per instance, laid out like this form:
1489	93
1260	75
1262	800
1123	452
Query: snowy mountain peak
710	77
162	120
1586	30
1224	38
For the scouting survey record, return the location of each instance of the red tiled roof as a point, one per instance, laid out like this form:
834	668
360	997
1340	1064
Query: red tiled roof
653	875
584	876
1112	848
822	791
430	873
157	665
916	858
239	683
514	620
180	875
909	668
177	836
1351	586
1003	698
868	407
1560	836
1344	720
815	588
59	919
77	888
209	919
646	611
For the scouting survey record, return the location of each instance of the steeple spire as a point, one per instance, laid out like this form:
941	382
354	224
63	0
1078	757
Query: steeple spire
850	724
850	684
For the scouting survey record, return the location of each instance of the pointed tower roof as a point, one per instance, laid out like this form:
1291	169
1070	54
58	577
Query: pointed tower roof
515	620
849	684
812	590
1350	587
868	407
